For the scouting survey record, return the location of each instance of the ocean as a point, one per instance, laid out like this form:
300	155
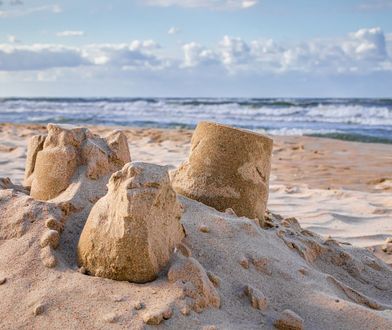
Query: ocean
368	120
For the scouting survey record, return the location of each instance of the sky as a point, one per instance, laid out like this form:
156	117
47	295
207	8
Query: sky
196	48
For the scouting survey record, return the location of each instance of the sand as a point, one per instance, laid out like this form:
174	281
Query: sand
263	277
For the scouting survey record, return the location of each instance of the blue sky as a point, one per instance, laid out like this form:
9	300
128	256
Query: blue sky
264	48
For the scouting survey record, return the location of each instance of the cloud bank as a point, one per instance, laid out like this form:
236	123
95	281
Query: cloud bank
230	66
363	51
137	55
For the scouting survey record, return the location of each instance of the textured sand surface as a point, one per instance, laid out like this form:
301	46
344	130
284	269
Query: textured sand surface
241	276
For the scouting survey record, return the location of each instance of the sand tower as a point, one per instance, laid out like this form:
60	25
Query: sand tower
53	160
227	168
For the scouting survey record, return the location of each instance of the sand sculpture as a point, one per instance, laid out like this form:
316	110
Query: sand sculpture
53	160
227	168
132	231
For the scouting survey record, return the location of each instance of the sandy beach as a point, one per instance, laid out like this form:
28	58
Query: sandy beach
196	165
339	190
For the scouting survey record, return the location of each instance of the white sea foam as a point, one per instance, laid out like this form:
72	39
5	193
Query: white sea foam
280	116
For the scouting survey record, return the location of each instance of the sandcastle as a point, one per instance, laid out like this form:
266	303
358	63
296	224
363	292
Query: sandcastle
70	167
53	160
132	231
227	168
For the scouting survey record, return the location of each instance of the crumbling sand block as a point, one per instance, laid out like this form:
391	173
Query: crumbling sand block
196	283
132	231
53	224
256	297
227	168
47	257
288	320
52	161
156	317
50	238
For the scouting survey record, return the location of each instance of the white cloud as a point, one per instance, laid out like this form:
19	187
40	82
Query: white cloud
137	55
212	4
367	44
173	30
70	33
12	39
234	51
248	3
195	54
144	45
